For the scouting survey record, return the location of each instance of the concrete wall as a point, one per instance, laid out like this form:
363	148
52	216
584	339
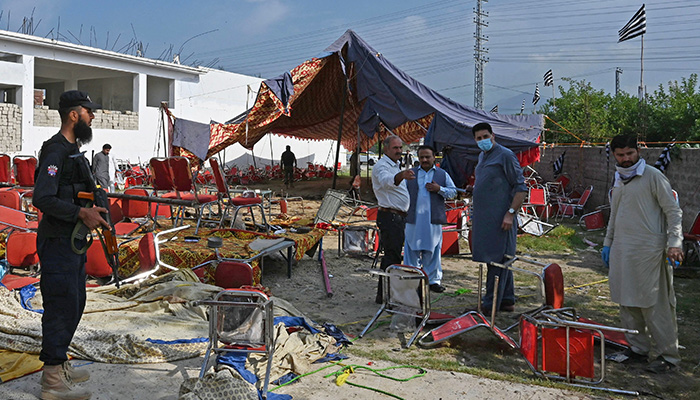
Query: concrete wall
10	128
589	166
104	119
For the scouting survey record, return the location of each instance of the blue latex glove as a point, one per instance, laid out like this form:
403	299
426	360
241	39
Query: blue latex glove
605	254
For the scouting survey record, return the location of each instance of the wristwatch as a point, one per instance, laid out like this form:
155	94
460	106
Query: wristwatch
511	211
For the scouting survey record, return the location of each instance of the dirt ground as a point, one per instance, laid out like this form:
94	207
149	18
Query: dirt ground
474	365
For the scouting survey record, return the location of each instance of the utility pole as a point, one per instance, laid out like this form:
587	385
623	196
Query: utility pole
480	52
618	72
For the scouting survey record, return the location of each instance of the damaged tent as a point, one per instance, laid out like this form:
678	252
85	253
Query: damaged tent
352	94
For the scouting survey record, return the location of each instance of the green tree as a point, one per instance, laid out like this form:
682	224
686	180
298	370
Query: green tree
582	110
675	112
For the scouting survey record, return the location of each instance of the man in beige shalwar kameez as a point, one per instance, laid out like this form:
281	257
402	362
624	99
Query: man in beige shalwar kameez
644	237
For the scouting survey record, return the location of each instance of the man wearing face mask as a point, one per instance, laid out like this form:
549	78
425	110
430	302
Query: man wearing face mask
642	244
389	186
499	191
59	178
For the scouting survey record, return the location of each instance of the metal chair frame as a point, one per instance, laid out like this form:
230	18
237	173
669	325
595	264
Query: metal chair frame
402	272
249	300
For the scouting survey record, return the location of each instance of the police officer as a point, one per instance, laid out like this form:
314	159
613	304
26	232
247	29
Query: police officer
58	179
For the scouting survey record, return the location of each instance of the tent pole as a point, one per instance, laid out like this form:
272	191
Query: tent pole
340	131
165	129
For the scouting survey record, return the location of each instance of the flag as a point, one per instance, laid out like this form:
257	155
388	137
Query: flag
522	107
607	151
635	27
548	78
536	97
495	109
559	164
665	157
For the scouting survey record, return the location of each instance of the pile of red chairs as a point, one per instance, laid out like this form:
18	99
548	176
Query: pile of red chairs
135	175
250	175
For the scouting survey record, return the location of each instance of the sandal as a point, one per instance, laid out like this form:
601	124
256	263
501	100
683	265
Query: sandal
660	366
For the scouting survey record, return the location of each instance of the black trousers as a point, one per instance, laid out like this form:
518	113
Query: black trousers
289	174
391	235
63	292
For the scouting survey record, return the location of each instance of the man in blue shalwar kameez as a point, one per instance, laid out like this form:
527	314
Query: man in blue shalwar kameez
426	215
499	191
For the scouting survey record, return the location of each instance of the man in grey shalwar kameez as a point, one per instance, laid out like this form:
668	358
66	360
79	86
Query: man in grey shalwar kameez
499	191
644	238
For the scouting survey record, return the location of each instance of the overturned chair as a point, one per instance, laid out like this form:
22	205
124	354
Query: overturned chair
468	321
559	347
240	321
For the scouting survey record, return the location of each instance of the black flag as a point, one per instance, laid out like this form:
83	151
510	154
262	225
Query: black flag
536	96
635	27
665	157
548	78
559	164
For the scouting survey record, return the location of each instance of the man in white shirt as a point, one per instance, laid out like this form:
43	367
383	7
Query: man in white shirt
389	185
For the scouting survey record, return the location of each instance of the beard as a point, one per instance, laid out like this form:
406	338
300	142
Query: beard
83	132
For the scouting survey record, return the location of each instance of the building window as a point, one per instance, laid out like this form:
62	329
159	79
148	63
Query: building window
159	90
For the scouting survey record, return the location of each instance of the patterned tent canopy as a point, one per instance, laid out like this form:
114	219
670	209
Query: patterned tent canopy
379	98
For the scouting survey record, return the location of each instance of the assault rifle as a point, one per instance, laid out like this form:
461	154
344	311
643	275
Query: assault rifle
108	237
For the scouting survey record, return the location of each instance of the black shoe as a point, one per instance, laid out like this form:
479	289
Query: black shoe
507	307
660	366
627	357
437	288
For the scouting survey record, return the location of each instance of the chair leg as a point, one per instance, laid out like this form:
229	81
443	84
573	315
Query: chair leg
200	215
233	219
264	220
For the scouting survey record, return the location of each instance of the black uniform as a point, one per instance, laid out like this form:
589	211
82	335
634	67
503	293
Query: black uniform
58	180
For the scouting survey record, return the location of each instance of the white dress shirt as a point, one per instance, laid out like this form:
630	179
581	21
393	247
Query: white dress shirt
389	195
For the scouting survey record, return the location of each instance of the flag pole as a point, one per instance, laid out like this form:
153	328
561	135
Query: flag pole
641	75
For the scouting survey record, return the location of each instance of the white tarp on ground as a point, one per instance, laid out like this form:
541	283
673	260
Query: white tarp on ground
247	159
114	329
117	323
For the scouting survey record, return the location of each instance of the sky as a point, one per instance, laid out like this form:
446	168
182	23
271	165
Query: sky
431	40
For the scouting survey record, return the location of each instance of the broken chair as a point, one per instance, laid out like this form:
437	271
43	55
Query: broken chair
240	321
405	292
469	321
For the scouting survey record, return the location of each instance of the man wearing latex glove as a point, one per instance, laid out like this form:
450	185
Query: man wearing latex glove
644	230
605	254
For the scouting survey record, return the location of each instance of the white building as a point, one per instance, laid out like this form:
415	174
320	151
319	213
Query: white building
34	71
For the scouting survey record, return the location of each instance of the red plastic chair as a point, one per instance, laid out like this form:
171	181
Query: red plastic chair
233	274
236	202
691	242
133	210
11	198
537	203
569	207
149	255
23	169
5	170
21	250
96	264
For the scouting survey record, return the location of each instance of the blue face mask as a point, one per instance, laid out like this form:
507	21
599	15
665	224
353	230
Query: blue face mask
485	144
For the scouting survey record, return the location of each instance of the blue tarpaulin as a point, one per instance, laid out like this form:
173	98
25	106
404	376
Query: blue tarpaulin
380	98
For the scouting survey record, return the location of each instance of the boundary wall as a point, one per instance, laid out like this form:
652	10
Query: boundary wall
589	166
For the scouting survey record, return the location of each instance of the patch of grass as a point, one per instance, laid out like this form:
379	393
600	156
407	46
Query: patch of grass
561	238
